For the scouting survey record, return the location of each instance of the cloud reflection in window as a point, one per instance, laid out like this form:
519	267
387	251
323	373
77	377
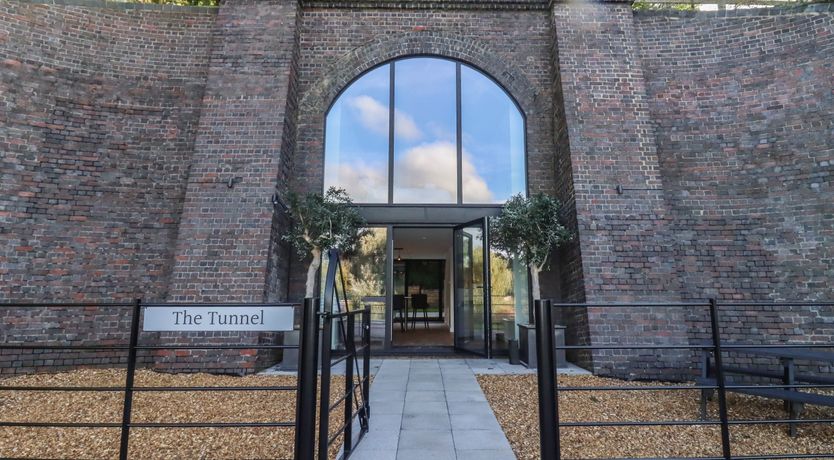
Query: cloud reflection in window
425	162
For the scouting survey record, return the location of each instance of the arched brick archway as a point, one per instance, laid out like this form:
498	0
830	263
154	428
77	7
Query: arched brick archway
322	91
362	59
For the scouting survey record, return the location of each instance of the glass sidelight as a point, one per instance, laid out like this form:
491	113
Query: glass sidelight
472	327
364	277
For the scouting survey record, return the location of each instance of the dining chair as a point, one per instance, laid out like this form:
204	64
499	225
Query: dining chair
420	302
398	307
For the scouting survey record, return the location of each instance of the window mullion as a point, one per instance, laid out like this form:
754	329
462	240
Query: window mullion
391	134
459	129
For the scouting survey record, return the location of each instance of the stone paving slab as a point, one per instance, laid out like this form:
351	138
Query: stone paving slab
433	408
439	412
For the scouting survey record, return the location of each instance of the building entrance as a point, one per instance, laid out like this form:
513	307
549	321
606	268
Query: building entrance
435	289
422	288
439	288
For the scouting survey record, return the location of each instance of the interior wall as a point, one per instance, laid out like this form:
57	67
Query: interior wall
438	245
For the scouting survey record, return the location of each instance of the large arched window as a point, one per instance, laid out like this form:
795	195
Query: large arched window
425	130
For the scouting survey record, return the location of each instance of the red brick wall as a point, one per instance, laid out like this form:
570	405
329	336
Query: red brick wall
98	114
745	134
121	128
229	247
99	110
224	239
719	128
624	239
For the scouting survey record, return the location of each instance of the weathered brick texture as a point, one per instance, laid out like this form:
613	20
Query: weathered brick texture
98	113
142	146
743	108
229	225
624	239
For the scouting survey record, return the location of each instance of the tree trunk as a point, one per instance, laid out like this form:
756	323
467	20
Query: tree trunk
311	273
534	277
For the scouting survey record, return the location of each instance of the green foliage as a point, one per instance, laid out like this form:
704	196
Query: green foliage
649	6
529	228
179	2
500	276
321	222
365	270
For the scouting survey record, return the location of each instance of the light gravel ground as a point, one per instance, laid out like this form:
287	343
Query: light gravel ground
514	399
157	443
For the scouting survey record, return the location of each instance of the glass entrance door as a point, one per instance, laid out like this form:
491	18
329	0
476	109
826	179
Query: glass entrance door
472	287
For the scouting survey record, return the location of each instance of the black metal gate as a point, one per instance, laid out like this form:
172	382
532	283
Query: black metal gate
316	327
549	389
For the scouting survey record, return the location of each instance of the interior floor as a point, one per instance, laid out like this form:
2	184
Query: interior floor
417	335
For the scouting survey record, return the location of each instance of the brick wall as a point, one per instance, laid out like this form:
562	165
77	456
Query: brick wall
511	42
745	136
624	239
98	114
228	247
123	127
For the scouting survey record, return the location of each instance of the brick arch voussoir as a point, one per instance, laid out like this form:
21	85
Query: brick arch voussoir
348	67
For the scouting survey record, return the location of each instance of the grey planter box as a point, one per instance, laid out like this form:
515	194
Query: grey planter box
527	345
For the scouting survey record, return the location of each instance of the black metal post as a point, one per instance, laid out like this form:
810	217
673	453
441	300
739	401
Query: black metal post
324	402
719	376
548	401
131	372
305	407
349	363
366	371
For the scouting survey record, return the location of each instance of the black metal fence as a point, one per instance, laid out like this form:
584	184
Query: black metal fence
306	385
356	392
714	378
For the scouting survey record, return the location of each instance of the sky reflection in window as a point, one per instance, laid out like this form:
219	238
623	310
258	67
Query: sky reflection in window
493	141
425	150
356	139
425	127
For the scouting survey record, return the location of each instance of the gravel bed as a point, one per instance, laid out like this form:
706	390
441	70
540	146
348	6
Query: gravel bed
514	398
156	443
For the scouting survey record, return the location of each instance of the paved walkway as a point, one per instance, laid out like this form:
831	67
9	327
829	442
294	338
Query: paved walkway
433	409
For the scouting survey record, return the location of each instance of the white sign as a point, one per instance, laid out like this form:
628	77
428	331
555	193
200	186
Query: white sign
185	318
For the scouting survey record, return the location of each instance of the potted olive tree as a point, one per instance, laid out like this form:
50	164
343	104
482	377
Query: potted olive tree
318	223
322	222
529	229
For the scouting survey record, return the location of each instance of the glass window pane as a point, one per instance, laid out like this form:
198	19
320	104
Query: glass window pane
493	141
425	126
356	139
508	296
364	278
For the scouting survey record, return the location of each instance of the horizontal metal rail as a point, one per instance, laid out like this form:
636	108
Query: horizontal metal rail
549	389
693	422
691	304
148	389
150	425
304	424
735	457
728	347
130	304
691	387
147	347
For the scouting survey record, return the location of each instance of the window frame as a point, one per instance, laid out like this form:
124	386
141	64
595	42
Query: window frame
458	126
